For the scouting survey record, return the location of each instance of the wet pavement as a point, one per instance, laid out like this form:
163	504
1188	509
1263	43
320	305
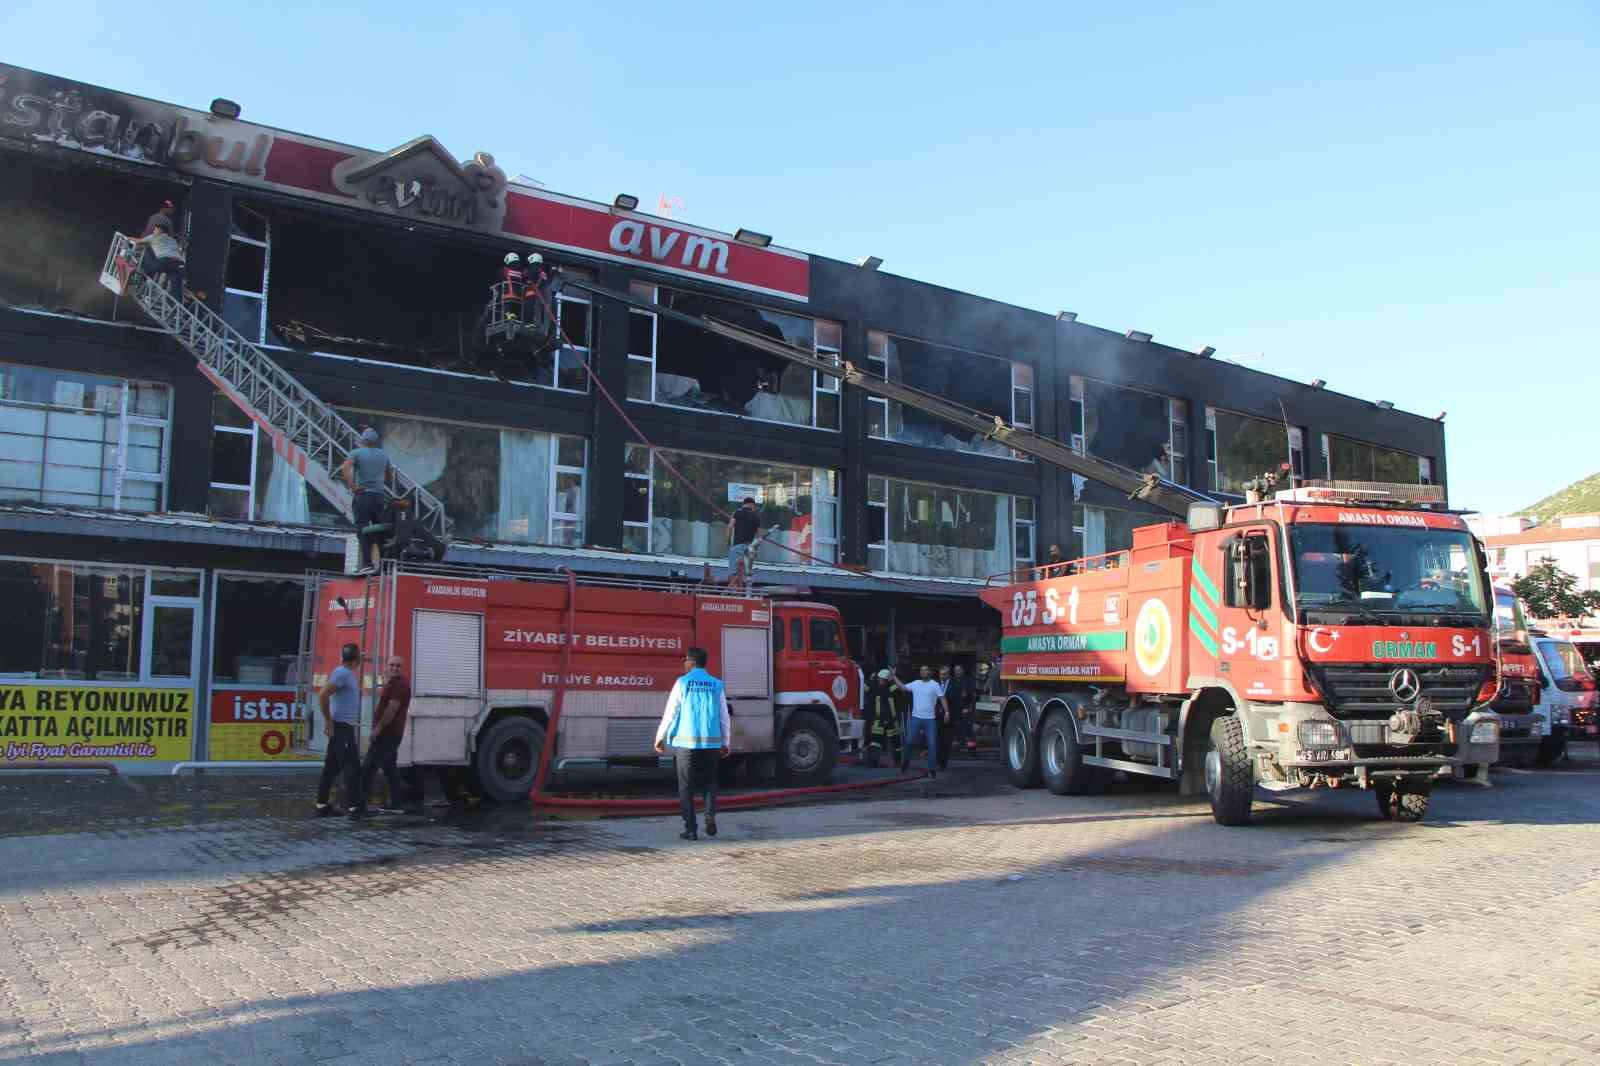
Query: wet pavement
214	919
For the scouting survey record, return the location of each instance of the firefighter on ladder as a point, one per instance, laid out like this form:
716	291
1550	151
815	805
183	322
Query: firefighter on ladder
513	284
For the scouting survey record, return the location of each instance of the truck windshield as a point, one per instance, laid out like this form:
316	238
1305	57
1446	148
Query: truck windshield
1353	572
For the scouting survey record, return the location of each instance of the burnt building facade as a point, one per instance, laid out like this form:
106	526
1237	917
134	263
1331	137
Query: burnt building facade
154	541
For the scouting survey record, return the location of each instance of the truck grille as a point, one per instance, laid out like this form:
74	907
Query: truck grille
1515	696
1361	690
1372	740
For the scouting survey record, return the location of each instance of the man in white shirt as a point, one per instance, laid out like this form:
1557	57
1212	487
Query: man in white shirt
927	702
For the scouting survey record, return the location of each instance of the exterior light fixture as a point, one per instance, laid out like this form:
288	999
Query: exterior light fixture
1318	383
1066	316
1440	416
750	236
624	202
869	262
1384	405
1137	335
224	108
1205	353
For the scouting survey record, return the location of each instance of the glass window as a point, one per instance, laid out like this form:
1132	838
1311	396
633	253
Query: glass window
797	635
171	640
664	515
1246	448
64	439
825	636
777	634
1140	430
680	365
936	531
1353	460
71	621
1109	529
981	382
257	633
503	485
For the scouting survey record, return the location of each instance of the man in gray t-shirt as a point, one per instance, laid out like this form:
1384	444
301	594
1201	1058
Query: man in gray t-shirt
340	703
365	472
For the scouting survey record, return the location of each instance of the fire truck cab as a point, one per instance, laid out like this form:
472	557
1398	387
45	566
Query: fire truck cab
498	660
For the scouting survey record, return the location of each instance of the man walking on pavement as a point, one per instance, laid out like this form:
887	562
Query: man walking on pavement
696	725
879	713
388	728
926	700
963	697
947	718
365	472
340	702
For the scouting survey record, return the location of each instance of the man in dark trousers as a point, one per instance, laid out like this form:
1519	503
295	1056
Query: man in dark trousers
340	702
696	726
743	526
947	718
880	713
388	728
366	472
165	260
963	699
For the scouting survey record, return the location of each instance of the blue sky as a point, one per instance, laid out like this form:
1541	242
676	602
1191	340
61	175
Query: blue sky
1398	198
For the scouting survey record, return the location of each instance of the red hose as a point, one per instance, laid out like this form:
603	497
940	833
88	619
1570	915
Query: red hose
561	686
646	807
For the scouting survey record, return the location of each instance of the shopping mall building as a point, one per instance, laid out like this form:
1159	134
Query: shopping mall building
152	544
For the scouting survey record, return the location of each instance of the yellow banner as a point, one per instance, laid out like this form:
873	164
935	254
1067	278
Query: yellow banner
253	725
73	723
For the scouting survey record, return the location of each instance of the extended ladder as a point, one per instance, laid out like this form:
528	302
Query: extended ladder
310	436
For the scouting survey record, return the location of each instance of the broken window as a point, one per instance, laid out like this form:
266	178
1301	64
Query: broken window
1144	431
1241	448
504	485
1107	529
937	531
1354	460
664	514
83	440
318	284
980	382
676	364
249	481
56	223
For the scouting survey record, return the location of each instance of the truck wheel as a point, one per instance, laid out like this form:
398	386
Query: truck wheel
1061	758
1022	760
1402	802
808	751
508	758
1228	779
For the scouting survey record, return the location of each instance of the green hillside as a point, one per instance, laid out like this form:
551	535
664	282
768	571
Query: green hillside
1580	497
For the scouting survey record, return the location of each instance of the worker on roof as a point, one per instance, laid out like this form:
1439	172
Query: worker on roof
513	283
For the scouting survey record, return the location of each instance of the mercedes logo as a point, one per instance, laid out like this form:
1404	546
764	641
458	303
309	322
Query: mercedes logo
1405	686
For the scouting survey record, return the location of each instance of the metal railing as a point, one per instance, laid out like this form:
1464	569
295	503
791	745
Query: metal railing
310	436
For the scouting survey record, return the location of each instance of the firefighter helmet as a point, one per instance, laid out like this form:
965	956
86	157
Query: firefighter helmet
535	258
511	258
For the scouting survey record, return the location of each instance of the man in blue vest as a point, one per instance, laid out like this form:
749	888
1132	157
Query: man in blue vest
696	725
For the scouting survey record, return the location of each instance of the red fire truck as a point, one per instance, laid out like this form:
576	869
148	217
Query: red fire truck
1336	636
492	654
1517	701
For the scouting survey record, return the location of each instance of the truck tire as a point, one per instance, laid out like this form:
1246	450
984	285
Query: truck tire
1021	753
1550	751
1060	759
808	750
1228	779
508	758
1403	802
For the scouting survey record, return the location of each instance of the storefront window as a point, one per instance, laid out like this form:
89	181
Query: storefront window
675	364
249	481
505	485
937	531
257	634
663	516
983	383
82	440
89	622
1353	460
1141	430
1242	448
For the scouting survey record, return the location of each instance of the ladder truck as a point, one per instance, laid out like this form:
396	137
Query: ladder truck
1332	635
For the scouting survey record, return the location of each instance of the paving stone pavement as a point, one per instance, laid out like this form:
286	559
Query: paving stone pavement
961	926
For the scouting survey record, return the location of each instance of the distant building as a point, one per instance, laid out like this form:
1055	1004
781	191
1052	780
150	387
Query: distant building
1516	545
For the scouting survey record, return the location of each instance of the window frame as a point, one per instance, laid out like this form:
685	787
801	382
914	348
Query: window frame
1177	414
880	548
878	406
1296	446
650	292
1424	464
215	598
147	607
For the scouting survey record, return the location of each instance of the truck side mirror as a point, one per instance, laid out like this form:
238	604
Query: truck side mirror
1255	572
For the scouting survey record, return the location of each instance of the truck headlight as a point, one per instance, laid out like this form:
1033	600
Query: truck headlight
1485	732
1317	735
1561	716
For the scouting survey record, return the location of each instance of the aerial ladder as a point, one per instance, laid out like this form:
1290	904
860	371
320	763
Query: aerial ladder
1153	489
308	434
